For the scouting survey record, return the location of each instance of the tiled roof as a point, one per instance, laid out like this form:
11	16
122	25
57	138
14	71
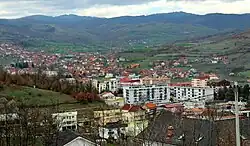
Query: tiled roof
126	107
128	80
131	108
150	105
134	108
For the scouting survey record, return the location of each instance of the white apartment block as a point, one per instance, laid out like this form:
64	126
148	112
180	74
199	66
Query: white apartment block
66	120
143	93
192	93
106	85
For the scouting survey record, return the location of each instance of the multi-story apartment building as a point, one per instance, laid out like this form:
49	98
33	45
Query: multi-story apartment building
192	93
137	94
66	120
106	85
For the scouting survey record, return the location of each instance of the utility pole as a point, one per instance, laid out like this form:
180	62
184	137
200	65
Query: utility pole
237	125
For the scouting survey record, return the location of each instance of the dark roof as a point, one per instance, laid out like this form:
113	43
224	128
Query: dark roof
65	137
192	129
157	130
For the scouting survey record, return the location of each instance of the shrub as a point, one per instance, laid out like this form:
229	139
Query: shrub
1	87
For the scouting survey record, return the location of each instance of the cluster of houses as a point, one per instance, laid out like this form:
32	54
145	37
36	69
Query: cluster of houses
147	107
172	124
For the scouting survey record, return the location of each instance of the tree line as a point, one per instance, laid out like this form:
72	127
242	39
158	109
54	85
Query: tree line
227	93
84	92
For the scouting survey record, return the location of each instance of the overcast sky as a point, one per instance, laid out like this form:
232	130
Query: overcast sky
113	8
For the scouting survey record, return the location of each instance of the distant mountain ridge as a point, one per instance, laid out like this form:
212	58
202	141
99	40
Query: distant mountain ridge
38	30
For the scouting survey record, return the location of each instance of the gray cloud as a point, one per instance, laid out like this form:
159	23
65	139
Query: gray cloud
18	8
76	4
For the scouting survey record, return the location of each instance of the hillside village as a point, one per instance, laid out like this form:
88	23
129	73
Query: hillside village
138	102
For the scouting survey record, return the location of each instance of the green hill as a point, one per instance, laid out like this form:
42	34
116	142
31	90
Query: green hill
88	33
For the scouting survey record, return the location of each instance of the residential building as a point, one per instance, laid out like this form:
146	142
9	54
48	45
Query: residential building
192	93
132	113
126	81
108	116
155	80
66	120
106	84
174	108
146	93
111	99
200	81
133	116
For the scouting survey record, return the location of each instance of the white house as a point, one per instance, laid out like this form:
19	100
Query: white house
146	93
66	120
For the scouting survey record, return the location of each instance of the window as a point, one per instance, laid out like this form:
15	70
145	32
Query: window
160	96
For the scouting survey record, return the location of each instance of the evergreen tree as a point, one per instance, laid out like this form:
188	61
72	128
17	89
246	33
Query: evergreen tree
246	92
221	94
229	95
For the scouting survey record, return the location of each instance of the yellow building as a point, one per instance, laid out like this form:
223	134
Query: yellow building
132	115
128	113
107	116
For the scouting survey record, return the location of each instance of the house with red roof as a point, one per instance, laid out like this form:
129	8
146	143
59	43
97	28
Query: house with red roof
200	81
133	113
174	108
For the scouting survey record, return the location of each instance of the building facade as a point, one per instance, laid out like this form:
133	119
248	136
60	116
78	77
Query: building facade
192	93
108	116
106	85
66	120
146	93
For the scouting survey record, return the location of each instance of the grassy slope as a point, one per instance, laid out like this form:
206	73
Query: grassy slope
32	96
